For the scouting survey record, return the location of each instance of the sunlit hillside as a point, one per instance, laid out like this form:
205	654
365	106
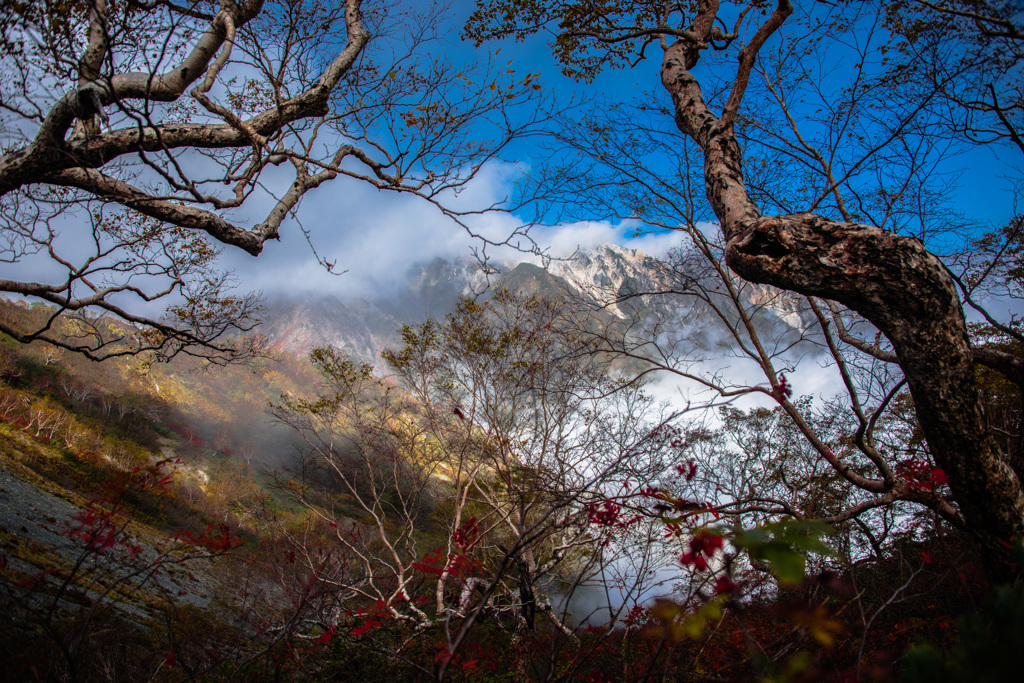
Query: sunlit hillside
630	341
160	502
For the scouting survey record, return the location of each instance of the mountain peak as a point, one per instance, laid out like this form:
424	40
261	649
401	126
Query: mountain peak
617	279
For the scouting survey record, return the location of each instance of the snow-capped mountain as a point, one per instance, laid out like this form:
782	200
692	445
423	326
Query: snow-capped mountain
673	298
612	275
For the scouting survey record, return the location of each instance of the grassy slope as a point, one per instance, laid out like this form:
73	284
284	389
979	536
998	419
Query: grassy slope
78	439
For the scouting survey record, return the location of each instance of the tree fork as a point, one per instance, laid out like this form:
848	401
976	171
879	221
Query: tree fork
891	280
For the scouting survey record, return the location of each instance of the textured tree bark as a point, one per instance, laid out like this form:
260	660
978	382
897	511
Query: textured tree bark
892	280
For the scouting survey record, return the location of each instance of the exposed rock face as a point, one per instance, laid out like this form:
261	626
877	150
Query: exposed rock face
626	283
298	327
364	327
611	273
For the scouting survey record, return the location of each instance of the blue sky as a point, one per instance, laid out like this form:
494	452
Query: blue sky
376	236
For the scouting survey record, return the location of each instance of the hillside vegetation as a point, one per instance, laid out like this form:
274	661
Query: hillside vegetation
156	524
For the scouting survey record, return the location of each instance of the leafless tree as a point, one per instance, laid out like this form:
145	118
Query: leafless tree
11	402
689	316
982	39
141	137
811	241
523	453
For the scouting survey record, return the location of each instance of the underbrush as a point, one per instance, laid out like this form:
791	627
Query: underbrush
181	561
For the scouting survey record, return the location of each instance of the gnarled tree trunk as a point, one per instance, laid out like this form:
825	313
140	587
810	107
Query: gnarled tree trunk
892	280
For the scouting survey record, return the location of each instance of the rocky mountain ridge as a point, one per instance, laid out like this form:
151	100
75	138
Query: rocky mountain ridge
623	282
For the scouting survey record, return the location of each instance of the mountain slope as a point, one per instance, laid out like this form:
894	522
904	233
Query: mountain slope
622	283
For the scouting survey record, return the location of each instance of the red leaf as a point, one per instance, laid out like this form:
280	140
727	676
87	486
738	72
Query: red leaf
703	547
725	585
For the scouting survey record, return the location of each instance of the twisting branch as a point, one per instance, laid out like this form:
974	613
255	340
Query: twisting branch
244	90
747	57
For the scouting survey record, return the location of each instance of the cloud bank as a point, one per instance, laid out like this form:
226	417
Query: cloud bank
374	237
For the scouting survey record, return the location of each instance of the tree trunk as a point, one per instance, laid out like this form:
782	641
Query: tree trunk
892	281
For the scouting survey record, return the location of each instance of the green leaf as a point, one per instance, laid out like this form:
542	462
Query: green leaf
784	546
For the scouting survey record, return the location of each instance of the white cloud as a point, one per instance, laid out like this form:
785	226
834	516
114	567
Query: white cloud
373	235
376	236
